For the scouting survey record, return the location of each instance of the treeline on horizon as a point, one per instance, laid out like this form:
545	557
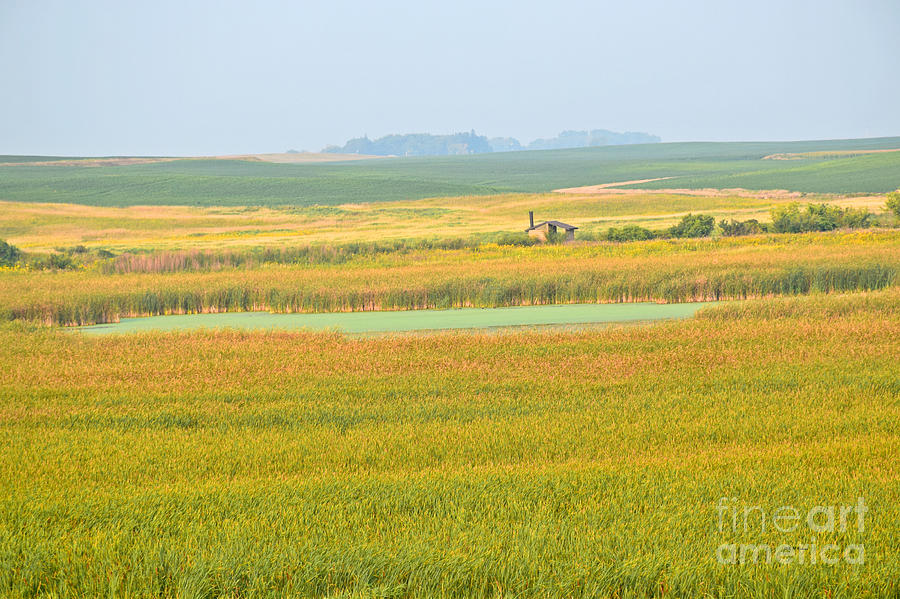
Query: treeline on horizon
426	144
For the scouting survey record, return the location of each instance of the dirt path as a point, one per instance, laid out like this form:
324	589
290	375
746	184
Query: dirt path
299	157
606	186
824	154
614	188
88	162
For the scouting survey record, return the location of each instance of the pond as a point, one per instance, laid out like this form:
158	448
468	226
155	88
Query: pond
408	320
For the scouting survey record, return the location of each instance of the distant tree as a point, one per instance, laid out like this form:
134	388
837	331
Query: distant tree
786	219
52	262
629	233
424	144
555	237
505	144
856	218
9	254
893	202
416	144
733	228
588	139
817	217
693	225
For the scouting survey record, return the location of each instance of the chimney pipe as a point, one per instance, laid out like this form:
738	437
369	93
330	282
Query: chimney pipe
530	219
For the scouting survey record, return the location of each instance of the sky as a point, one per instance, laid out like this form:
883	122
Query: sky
191	77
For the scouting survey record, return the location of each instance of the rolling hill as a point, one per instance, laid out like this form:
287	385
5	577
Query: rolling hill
193	182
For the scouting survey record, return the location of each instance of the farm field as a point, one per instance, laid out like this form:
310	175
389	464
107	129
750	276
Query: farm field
253	183
555	461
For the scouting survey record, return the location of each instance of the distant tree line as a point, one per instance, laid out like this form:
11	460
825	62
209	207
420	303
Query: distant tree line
425	144
590	139
415	144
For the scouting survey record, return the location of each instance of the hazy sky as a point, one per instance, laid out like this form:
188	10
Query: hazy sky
188	77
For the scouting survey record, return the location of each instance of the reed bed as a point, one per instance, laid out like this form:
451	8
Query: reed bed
306	255
531	465
483	276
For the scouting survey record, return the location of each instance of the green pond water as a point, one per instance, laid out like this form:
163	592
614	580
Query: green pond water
408	320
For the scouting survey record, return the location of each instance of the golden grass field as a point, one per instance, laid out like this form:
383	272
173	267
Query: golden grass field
43	227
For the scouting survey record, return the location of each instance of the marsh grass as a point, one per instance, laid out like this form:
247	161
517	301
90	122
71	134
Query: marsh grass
481	276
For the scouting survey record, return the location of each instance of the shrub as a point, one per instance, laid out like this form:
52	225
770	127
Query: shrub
733	228
9	254
893	202
52	262
789	219
817	217
693	225
629	233
856	218
556	237
514	239
590	235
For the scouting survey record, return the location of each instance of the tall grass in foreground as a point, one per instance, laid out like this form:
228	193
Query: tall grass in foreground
531	465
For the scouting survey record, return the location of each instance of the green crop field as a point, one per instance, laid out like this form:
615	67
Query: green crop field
867	173
241	183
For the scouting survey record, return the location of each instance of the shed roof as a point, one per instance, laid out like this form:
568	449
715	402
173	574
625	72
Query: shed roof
554	223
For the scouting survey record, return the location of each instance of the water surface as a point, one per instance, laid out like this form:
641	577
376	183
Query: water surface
407	320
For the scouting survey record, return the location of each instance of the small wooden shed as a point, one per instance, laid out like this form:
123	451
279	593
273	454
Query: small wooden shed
549	227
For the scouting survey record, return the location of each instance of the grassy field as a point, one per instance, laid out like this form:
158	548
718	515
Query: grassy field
579	464
556	462
42	227
244	183
862	173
